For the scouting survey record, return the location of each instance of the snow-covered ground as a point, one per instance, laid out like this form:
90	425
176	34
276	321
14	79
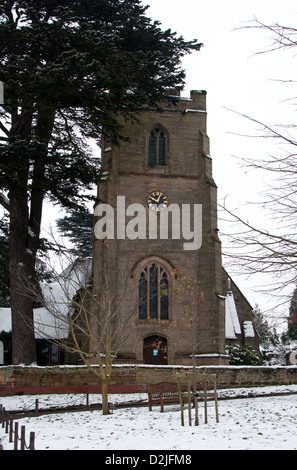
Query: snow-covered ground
265	423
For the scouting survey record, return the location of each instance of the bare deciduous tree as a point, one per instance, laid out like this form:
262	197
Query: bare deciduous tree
269	246
91	314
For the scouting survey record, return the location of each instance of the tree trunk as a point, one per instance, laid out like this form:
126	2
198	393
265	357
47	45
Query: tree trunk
24	240
21	283
105	407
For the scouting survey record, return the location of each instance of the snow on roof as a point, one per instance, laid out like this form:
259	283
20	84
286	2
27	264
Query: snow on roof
248	328
61	292
232	324
5	319
46	325
52	322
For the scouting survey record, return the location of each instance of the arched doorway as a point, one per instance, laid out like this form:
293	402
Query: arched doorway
155	350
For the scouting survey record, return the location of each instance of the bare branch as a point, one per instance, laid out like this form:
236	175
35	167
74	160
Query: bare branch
4	201
282	36
3	129
88	317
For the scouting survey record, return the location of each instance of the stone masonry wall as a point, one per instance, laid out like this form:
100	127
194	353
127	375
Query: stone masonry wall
18	380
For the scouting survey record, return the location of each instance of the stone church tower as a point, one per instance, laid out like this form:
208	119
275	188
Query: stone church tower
163	175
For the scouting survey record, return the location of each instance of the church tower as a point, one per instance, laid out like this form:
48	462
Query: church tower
156	225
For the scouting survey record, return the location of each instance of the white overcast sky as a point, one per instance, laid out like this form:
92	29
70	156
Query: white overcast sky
236	78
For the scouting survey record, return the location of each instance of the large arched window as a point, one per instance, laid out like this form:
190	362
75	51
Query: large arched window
157	147
153	293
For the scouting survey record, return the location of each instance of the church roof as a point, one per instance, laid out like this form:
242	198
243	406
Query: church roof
232	325
52	322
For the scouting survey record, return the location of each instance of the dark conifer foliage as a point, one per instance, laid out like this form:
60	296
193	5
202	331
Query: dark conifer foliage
78	228
292	320
69	68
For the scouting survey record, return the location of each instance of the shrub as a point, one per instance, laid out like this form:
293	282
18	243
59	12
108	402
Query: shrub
243	355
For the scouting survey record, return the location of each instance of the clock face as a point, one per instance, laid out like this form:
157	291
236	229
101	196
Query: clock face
157	201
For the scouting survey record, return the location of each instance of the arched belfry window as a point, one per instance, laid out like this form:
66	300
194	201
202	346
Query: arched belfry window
153	293
157	147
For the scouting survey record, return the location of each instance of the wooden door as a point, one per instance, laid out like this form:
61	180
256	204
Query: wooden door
155	350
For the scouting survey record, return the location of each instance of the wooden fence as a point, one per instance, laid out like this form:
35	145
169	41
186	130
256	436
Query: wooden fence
12	428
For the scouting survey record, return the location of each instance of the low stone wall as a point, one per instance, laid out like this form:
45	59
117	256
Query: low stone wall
16	380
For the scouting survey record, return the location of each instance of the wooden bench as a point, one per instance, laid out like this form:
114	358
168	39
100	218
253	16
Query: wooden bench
188	389
203	386
162	393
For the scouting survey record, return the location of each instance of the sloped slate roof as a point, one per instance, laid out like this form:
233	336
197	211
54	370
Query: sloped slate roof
232	324
52	322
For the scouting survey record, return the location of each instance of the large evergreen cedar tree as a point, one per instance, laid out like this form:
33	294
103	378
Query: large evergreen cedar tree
69	68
